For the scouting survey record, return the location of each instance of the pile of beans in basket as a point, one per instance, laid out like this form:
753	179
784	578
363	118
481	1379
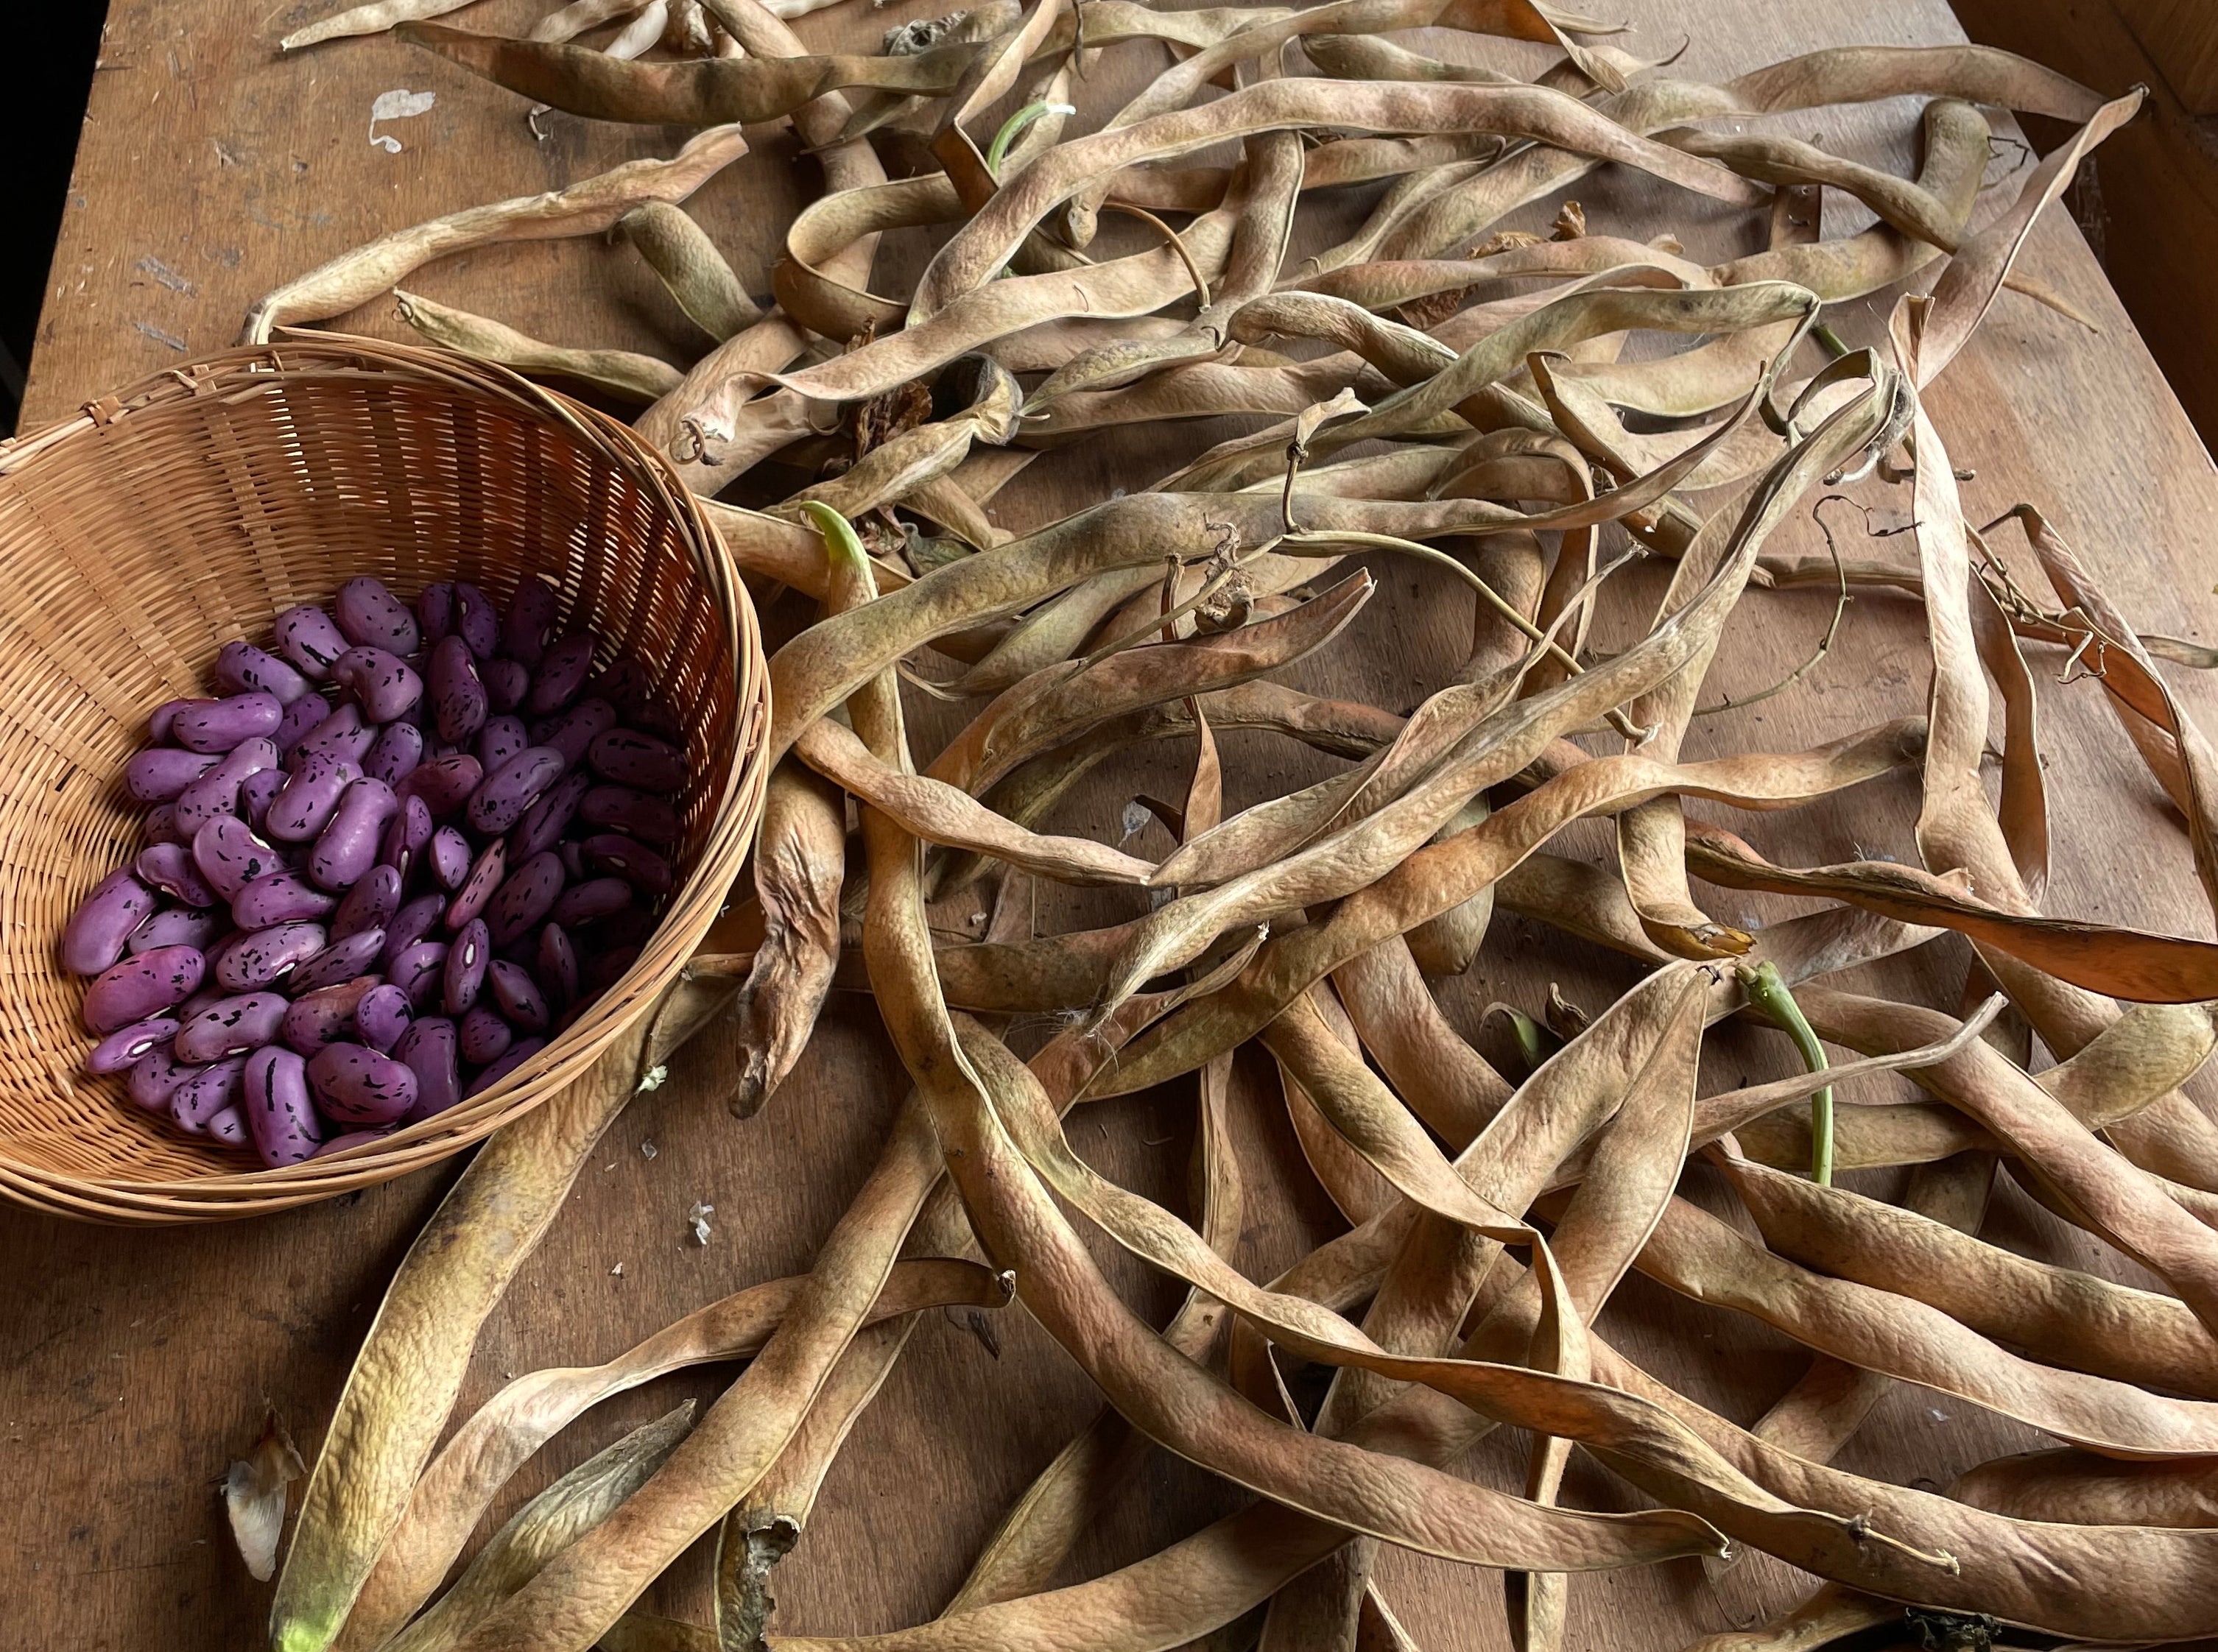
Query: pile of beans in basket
402	851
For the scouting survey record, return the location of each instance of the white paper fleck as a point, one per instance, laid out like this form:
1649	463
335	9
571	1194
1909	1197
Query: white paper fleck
617	1270
400	104
647	1150
698	1217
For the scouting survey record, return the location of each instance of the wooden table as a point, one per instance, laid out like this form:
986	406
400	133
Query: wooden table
135	1366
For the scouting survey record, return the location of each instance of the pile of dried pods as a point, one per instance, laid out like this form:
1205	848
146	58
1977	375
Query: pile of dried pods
1474	399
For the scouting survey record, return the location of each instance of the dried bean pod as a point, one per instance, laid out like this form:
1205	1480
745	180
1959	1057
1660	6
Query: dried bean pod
219	725
415	921
507	682
178	926
444	782
264	956
640	761
341	734
407	835
476	621
307	636
229	1125
529	625
382	1016
518	1052
169	866
371	616
230	856
509	790
572	731
158	773
342	961
613	853
324	1016
311	797
278	1109
435	610
122	1048
430	1047
516	996
232	1026
581	903
418	969
619	808
485	877
242	668
220	1087
369	904
399	749
279	898
463	972
562	673
482	1035
216	792
556	969
301	718
357	1085
155	1077
545	821
449	857
524	899
347	847
103	923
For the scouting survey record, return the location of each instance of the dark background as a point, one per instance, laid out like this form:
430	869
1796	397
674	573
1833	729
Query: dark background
56	46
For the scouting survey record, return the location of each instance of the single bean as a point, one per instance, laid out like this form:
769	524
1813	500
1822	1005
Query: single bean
415	921
444	782
464	970
633	862
155	1077
369	904
382	1016
581	903
219	725
655	715
339	1144
160	824
529	625
516	996
215	1088
264	956
476	622
562	673
326	1015
450	857
347	847
507	683
619	808
104	921
342	961
429	1047
525	898
158	773
357	1085
231	1027
341	734
407	835
230	856
485	877
435	610
200	1000
279	899
158	720
178	926
573	855
625	684
608	968
307	636
303	718
572	731
118	1051
277	1107
482	1035
311	797
217	792
257	793
399	748
385	684
459	700
546	820
556	970
501	739
242	668
518	1052
228	1126
417	971
169	866
640	761
509	790
371	616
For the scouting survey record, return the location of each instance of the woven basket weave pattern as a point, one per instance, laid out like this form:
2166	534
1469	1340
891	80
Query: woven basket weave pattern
139	539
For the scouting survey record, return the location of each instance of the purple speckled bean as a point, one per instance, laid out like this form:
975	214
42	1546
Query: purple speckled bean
459	700
523	897
507	682
518	996
242	668
228	1126
371	615
342	961
157	774
231	1027
529	625
545	821
369	904
482	1035
556	969
416	971
278	1109
385	685
435	610
382	1016
429	1049
444	782
351	1140
216	792
311	797
279	898
399	748
612	853
303	718
230	856
572	731
160	718
259	792
161	826
307	636
485	877
208	994
347	848
625	682
219	725
477	622
155	1077
608	967
640	761
518	1052
104	922
573	854
407	835
326	1015
169	866
179	926
122	1048
581	903
264	956
464	972
501	802
619	808
562	673
501	739
449	857
215	1088
341	734
414	921
655	715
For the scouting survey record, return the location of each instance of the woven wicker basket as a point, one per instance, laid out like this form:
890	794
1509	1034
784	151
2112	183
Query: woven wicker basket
140	536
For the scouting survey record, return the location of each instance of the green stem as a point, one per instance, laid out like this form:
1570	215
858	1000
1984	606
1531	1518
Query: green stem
998	151
841	544
1768	996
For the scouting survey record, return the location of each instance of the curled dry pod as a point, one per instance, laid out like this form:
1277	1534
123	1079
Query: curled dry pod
122	1048
347	847
143	986
279	898
449	857
242	668
399	749
324	1016
518	1052
613	853
158	773
418	969
637	760
546	820
507	682
459	700
407	835
529	625
216	1087
525	898
501	739
562	674
261	958
484	877
257	792
369	904
385	685
229	857
232	1026
342	961
443	782
301	718
278	1111
229	1126
178	926
582	903
103	923
463	971
382	1016
155	1077
516	995
307	636
572	731
311	797
219	725
429	1048
160	824
482	1035
619	808
341	734
416	920
170	868
501	802
476	622
355	1084
435	610
556	969
216	793
371	616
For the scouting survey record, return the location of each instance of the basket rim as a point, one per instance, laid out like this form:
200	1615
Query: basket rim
300	355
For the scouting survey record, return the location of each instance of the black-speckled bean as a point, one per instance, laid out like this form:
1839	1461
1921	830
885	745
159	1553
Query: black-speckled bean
215	1088
279	899
545	821
435	610
478	887
160	824
617	856
581	903
369	904
482	1035
118	1051
278	1109
655	715
311	797
371	615
415	921
444	782
301	718
326	1015
208	994
228	1126
257	792
518	1052
463	972
104	922
267	955
572	731
562	673
347	847
573	859
625	684
230	856
216	793
341	734
407	835
169	866
385	684
477	622
529	625
556	970
178	926
231	1027
219	725
525	897
501	739
351	1140
342	961
608	968
157	774
155	1077
507	682
449	857
307	636
382	1016
619	808
640	761
416	971
399	748
242	668
459	700
429	1048
518	996
160	718
499	802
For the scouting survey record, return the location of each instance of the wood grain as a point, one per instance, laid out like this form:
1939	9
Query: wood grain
134	1367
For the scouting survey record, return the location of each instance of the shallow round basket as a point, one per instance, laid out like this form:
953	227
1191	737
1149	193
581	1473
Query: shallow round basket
162	522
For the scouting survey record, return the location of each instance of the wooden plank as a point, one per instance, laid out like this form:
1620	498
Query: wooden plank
134	1366
2182	37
